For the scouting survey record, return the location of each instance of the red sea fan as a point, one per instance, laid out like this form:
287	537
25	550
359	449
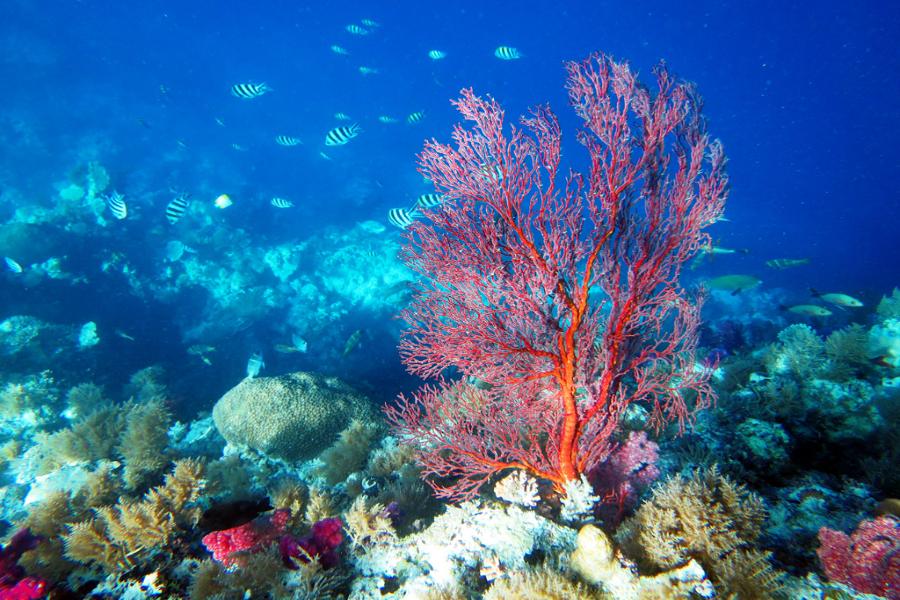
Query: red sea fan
868	560
560	293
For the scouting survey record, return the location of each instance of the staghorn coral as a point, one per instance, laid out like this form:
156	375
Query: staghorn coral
131	532
541	584
348	454
368	525
142	445
706	517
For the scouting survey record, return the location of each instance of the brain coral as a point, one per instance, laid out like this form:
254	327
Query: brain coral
292	416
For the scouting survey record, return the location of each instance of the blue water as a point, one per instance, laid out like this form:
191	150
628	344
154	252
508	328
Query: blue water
804	98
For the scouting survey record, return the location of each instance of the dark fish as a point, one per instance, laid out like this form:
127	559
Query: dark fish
231	514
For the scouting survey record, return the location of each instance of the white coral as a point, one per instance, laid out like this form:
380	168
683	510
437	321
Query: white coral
579	500
518	488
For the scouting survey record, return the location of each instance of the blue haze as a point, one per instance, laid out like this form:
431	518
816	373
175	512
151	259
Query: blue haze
805	97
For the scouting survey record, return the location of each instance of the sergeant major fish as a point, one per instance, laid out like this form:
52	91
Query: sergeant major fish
176	208
341	135
402	217
287	140
116	203
507	53
249	90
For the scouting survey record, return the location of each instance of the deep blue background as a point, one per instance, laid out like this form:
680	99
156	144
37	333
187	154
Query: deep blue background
805	96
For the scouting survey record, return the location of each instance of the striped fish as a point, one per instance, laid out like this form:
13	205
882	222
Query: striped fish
437	54
429	200
386	119
287	140
249	90
339	50
402	217
368	71
341	135
281	202
370	23
415	117
356	29
116	204
341	116
507	53
176	208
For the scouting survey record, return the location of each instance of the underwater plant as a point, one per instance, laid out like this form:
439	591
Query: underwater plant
562	299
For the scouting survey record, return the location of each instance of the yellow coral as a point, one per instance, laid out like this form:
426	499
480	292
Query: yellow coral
348	454
142	445
709	518
320	506
541	584
368	525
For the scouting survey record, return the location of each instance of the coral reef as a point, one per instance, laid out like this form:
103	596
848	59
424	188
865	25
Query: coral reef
292	416
707	518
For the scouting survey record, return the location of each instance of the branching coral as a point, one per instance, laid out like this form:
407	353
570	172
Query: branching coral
121	536
708	518
541	584
847	351
143	443
349	452
368	525
800	351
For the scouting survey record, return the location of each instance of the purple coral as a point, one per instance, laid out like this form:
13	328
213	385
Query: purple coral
868	560
629	470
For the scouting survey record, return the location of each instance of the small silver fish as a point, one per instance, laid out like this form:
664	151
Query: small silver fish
356	29
386	119
255	365
339	50
368	71
437	54
12	265
370	23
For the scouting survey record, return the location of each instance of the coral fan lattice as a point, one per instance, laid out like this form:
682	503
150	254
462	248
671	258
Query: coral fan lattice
565	301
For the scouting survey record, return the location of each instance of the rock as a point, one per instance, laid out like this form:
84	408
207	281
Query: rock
293	416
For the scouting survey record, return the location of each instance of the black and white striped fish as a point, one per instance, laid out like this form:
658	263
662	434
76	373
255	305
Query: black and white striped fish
340	116
415	117
437	54
116	203
370	23
339	50
429	200
386	119
278	202
341	135
249	90
287	140
356	29
176	208
507	53
402	217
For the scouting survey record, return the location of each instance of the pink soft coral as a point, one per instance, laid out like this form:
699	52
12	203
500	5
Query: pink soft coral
250	537
630	469
868	560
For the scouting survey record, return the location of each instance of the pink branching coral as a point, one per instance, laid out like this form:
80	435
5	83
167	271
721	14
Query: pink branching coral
254	536
562	296
868	560
629	470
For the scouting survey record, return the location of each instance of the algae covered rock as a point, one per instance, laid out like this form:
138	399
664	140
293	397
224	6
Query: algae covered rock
292	416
